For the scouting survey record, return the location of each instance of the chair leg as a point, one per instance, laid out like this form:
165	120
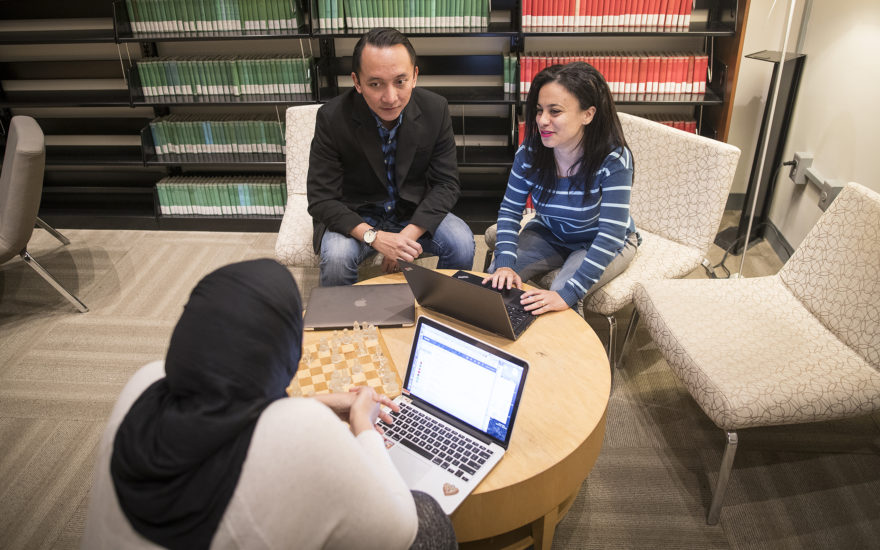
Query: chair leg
28	259
723	477
54	232
630	330
488	261
612	340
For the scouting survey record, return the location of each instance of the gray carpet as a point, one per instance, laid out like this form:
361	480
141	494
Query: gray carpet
810	486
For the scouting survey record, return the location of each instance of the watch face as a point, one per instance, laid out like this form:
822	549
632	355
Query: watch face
370	236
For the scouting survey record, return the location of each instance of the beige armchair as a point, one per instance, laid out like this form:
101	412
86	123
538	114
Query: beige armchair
294	244
680	189
21	187
799	346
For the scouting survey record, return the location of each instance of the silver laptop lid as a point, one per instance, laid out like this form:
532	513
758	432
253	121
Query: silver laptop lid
465	378
337	307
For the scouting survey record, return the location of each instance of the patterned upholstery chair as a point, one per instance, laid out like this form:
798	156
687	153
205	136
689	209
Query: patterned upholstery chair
679	192
799	346
294	244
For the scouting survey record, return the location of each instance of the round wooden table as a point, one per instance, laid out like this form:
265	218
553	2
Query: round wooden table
558	431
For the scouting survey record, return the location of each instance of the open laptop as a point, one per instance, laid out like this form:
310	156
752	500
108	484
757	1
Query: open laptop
464	297
458	407
338	307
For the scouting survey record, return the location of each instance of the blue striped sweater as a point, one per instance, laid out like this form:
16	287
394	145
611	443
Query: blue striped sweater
601	220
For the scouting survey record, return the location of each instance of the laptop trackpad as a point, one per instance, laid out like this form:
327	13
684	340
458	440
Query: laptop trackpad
412	469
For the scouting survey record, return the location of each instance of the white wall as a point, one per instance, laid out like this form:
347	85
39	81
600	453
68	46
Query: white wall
837	109
838	105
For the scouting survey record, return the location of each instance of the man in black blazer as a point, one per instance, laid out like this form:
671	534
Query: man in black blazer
382	169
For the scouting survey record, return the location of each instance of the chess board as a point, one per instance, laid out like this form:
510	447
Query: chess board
314	378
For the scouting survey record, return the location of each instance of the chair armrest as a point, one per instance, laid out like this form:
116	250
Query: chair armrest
294	244
491	234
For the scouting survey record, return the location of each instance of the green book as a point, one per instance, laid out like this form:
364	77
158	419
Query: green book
144	76
160	195
277	19
132	16
232	191
216	204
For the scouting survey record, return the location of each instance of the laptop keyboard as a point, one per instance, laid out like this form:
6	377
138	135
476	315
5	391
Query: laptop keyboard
517	315
453	451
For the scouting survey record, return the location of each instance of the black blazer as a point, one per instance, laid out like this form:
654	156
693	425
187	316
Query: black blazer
347	168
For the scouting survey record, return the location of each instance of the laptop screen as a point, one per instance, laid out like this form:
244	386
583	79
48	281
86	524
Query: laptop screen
465	378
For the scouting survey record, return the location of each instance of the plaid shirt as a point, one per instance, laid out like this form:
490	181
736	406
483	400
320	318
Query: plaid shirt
389	151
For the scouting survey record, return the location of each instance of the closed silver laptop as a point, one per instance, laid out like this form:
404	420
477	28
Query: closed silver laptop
338	307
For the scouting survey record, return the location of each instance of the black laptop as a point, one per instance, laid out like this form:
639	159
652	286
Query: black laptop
464	297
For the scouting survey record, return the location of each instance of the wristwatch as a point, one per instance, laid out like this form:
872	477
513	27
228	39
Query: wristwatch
370	236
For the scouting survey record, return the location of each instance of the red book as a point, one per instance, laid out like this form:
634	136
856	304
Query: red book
629	74
643	75
619	63
526	13
662	76
703	76
661	12
681	67
640	14
528	63
581	20
684	14
521	130
653	72
689	76
672	9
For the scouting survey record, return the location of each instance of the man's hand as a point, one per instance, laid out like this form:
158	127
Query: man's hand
398	246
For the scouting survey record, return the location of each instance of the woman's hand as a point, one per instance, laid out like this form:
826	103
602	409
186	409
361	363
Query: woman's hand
504	277
542	301
366	409
359	407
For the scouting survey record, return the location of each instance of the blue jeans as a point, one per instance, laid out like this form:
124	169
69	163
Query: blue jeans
538	251
452	243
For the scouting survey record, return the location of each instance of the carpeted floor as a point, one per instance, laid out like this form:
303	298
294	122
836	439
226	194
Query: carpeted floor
810	486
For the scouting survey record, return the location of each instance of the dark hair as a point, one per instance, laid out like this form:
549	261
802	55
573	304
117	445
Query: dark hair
382	37
603	135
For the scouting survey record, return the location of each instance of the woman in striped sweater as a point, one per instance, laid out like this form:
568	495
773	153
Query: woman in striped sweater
576	167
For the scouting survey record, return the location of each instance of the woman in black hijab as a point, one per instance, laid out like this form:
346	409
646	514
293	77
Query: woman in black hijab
208	454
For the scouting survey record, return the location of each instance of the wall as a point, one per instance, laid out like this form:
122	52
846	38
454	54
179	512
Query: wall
837	107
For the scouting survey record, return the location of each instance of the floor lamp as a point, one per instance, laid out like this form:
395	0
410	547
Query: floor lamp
764	140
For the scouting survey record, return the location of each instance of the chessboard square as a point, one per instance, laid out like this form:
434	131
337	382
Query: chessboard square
321	387
371	374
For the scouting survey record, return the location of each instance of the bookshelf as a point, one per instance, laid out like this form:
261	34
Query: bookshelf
109	180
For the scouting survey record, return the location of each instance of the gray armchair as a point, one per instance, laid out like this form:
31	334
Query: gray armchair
21	186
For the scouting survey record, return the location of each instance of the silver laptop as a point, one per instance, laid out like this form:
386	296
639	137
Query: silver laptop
458	407
464	297
337	307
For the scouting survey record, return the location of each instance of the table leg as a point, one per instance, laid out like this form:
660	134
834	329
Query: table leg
543	530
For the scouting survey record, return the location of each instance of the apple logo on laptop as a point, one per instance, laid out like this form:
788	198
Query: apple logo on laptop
360	302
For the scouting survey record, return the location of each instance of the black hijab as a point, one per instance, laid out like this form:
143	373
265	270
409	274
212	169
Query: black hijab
178	453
